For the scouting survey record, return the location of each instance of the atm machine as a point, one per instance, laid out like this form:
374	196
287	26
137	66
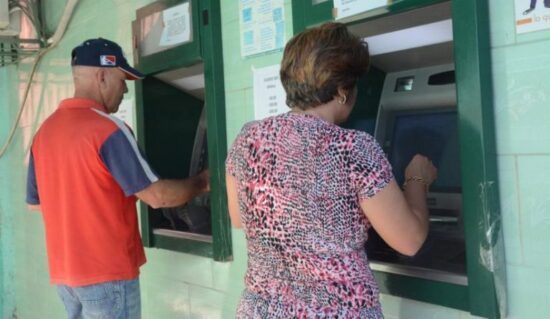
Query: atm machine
193	217
411	103
417	114
181	121
176	140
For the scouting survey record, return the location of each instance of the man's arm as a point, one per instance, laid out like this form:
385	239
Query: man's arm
126	163
174	192
32	198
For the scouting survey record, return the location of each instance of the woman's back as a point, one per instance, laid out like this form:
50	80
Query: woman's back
300	183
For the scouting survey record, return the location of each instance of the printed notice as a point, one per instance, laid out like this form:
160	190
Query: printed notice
262	26
532	15
269	95
176	25
347	8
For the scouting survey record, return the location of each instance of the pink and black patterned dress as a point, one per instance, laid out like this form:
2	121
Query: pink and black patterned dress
300	180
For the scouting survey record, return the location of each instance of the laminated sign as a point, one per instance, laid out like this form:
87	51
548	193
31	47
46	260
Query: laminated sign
347	8
532	15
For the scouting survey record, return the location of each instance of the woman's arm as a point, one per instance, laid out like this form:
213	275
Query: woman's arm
401	225
233	200
401	218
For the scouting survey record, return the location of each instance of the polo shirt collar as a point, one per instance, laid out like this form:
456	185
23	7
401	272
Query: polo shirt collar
81	103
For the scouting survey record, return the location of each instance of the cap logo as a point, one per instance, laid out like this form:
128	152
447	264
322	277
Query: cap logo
107	60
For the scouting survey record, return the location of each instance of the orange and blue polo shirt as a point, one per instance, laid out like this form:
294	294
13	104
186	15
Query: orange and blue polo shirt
84	170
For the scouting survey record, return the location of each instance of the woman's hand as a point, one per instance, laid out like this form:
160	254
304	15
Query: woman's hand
421	167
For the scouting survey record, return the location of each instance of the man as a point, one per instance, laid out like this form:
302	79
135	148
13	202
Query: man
85	172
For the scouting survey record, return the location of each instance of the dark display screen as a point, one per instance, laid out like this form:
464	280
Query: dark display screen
434	135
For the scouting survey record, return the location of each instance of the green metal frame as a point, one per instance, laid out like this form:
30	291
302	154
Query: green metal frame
480	194
207	33
186	54
217	147
478	157
322	12
434	292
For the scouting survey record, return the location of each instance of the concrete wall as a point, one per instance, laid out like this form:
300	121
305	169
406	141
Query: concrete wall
176	285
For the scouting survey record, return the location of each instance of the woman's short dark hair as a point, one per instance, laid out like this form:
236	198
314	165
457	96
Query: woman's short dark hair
319	61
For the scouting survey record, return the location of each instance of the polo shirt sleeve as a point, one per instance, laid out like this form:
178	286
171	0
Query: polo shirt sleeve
126	163
32	188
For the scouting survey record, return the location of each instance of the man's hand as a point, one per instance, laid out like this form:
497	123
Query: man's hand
203	181
175	192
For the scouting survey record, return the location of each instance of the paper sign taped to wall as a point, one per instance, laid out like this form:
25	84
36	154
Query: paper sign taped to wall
347	8
262	26
532	15
269	95
177	25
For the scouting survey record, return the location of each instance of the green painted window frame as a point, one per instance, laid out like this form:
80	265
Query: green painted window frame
206	48
322	12
185	54
481	204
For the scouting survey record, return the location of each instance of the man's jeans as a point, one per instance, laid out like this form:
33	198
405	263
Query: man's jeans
108	300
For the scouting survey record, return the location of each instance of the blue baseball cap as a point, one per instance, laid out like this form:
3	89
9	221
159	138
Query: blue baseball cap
105	54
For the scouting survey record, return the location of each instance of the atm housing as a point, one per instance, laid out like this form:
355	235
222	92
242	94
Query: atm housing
172	114
483	291
417	114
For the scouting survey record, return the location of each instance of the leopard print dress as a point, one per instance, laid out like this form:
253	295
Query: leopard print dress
300	180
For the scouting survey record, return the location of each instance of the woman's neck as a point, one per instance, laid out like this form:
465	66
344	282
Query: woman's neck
326	112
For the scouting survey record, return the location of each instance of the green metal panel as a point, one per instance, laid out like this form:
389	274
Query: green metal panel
440	293
168	114
405	5
369	91
485	253
185	54
183	245
211	39
146	230
307	14
168	119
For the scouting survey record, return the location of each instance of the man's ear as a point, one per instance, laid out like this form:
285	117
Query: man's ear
100	76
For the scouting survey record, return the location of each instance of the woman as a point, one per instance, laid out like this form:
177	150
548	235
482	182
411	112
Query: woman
306	191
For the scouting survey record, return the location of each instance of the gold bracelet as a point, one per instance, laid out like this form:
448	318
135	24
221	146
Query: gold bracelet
416	179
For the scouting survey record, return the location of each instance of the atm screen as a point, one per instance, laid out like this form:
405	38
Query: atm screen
432	134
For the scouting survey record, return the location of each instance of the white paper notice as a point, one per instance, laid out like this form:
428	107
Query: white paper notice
176	25
126	113
262	26
347	8
532	15
269	95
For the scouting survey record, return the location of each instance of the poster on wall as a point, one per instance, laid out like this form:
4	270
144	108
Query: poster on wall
269	94
262	26
347	8
532	15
